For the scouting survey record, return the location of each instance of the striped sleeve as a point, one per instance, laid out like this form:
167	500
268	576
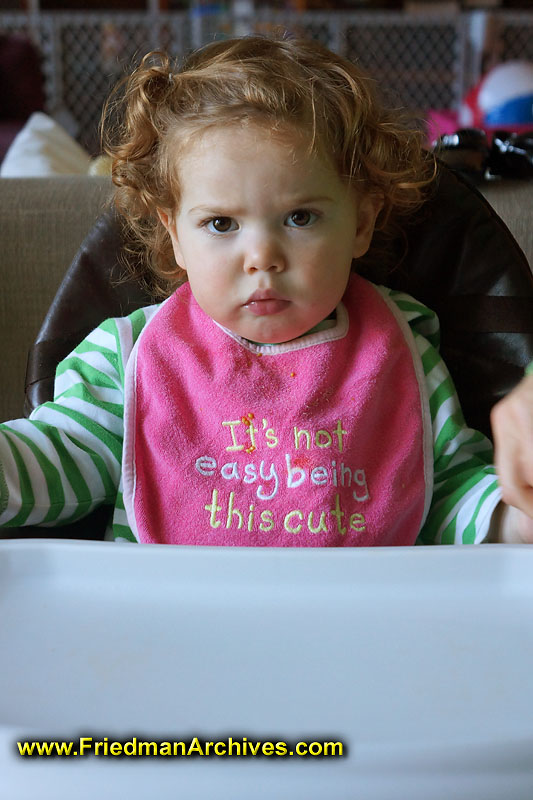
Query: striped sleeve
65	460
465	491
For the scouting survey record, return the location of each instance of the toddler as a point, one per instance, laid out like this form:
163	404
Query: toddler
275	398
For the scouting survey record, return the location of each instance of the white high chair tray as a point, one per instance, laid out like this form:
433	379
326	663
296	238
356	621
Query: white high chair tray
420	660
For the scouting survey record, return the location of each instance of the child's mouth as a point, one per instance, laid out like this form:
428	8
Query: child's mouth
264	307
264	303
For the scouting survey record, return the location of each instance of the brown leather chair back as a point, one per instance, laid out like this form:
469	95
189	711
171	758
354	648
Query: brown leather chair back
456	255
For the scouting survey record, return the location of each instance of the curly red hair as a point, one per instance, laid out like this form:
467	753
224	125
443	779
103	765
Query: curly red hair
282	83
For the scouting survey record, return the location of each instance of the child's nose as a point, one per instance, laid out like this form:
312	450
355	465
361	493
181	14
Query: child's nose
264	254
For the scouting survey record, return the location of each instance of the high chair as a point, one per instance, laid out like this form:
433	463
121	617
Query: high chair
416	659
455	255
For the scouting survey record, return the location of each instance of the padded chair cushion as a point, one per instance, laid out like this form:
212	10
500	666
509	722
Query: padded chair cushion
41	148
94	288
461	260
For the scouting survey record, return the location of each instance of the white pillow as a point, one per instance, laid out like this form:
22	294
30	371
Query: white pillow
43	148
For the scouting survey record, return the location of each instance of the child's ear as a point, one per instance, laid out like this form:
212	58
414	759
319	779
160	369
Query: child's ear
169	223
368	209
164	217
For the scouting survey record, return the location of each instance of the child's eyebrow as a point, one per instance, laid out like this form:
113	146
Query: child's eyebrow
215	208
307	201
291	203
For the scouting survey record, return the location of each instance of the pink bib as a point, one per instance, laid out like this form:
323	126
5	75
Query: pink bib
323	441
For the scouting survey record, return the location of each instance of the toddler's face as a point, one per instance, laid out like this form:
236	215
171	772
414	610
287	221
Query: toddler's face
265	232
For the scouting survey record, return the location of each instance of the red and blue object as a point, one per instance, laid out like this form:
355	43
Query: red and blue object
502	98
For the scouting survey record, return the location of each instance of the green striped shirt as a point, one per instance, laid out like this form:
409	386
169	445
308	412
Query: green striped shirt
65	460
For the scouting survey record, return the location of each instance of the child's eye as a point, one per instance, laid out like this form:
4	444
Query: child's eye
221	225
301	218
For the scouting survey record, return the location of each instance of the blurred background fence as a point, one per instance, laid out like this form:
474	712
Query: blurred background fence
423	60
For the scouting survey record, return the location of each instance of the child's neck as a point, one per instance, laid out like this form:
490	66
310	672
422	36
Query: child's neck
328	322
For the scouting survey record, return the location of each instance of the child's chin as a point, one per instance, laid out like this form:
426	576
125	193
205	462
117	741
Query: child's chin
279	337
271	330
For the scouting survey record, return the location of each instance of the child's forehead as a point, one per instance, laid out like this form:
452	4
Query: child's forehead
255	131
246	144
253	169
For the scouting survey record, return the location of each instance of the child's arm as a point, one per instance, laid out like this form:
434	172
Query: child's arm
66	459
465	492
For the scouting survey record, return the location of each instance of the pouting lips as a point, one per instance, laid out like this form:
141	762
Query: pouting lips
266	301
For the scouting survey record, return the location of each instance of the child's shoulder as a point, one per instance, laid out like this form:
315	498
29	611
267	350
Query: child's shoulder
129	326
139	318
113	339
421	319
